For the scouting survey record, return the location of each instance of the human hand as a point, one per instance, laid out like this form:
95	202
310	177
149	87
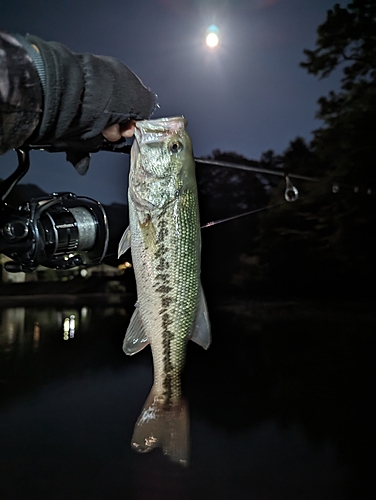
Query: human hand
115	132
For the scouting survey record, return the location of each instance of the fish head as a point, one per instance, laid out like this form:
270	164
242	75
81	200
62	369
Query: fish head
162	162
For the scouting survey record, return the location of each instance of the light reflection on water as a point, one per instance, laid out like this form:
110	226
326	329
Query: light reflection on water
67	410
12	327
20	327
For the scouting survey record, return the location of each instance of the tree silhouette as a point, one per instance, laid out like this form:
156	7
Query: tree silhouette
226	192
327	237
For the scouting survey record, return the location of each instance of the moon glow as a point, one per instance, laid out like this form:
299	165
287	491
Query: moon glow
212	36
212	40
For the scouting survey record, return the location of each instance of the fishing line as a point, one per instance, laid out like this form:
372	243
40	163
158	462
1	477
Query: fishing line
255	169
227	219
335	186
291	193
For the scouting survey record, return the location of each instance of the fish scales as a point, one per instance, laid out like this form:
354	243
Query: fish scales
167	286
164	235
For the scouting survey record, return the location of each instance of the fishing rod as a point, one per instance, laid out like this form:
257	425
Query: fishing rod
291	193
63	230
255	169
335	186
243	214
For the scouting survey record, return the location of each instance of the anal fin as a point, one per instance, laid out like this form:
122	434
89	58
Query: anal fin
135	338
201	329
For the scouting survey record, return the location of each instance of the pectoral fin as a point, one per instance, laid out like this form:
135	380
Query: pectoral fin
125	242
148	233
201	330
135	338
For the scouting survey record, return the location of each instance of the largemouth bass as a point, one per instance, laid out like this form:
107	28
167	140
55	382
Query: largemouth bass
164	236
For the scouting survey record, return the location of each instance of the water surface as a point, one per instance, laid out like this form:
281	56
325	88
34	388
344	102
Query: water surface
280	405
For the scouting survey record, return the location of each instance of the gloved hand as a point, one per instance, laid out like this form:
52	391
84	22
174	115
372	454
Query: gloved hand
83	94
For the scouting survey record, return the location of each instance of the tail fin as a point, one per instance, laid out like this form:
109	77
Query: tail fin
167	428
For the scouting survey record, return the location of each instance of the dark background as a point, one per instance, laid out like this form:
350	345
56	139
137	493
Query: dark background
281	404
247	96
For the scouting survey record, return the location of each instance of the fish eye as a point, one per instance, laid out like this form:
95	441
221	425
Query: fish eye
176	147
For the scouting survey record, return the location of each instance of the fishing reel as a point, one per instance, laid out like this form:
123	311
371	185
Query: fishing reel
59	231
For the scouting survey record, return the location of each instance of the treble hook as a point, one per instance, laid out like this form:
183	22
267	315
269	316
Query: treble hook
291	192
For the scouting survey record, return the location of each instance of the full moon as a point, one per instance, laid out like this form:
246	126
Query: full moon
212	36
212	40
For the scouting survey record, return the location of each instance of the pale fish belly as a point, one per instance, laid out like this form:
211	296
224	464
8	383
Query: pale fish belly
164	236
167	268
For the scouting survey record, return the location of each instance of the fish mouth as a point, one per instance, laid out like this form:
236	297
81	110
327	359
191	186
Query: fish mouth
152	131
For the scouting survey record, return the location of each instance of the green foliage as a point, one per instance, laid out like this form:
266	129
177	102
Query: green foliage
326	237
325	240
226	192
347	41
348	37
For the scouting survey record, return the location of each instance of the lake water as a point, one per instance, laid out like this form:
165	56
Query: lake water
281	405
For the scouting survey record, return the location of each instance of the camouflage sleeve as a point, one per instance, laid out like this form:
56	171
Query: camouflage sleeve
20	94
84	93
80	95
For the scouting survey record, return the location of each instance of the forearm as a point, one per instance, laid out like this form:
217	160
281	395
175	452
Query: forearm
69	99
21	97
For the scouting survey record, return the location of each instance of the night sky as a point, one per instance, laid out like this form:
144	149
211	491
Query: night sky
248	95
